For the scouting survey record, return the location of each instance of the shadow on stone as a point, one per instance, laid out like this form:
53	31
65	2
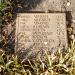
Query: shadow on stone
25	5
69	20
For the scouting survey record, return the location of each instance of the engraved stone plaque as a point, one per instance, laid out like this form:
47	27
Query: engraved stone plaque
41	31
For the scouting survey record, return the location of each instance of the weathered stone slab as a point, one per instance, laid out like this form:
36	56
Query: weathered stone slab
41	31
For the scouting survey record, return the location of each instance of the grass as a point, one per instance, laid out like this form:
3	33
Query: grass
60	63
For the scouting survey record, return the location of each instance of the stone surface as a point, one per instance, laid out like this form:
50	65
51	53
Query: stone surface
67	6
40	32
52	5
42	5
46	5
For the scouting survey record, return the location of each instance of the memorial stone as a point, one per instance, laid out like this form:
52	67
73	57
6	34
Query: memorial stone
40	32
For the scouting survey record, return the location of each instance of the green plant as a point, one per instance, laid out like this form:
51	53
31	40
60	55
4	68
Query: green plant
9	65
6	17
59	63
6	11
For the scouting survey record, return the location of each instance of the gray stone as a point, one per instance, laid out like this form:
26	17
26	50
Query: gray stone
52	5
46	5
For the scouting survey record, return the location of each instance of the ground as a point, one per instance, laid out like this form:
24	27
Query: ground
47	6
